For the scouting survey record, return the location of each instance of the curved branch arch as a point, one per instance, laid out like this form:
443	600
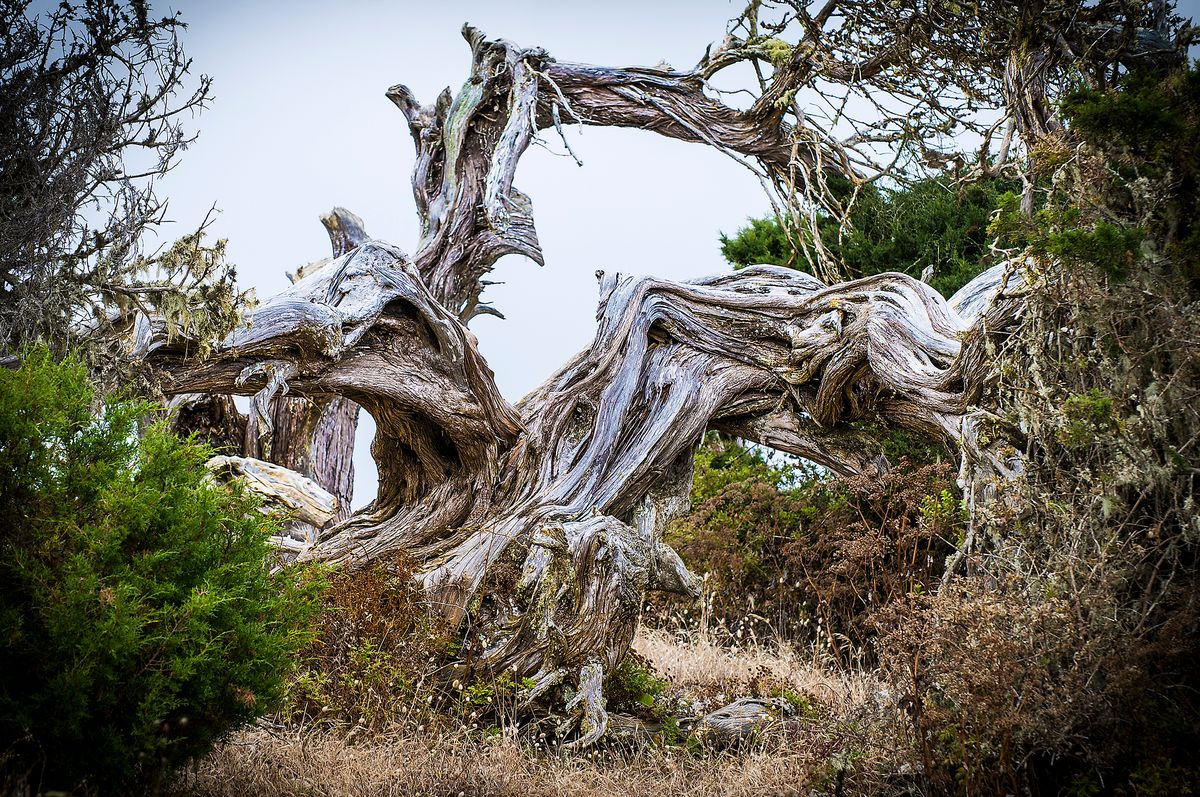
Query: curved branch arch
543	521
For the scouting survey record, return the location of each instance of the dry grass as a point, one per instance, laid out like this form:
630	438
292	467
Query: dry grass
715	673
406	761
258	763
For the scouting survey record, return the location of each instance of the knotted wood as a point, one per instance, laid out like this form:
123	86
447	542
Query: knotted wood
538	526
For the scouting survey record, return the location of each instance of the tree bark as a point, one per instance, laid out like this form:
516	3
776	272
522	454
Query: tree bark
542	523
311	435
284	488
538	527
314	435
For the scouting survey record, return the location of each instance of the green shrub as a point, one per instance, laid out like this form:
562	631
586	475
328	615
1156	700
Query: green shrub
138	619
1148	115
1125	181
931	222
633	685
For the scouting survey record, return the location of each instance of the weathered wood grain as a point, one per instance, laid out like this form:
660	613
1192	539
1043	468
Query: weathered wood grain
538	527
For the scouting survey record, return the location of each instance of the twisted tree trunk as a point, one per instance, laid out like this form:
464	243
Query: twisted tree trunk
542	522
310	435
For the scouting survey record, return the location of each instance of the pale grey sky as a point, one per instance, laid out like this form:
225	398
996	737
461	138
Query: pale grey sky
300	123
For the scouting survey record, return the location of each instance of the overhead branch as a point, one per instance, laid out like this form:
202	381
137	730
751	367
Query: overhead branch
468	145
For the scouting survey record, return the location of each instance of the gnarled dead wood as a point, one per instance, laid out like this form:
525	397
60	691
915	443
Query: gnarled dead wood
468	146
743	720
284	489
311	435
541	523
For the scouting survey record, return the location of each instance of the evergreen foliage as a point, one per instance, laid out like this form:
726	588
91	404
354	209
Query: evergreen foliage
138	619
1130	195
930	222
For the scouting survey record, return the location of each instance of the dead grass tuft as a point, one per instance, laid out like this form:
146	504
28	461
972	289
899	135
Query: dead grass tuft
257	763
839	741
713	673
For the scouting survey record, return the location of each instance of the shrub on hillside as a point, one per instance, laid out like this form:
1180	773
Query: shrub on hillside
1011	687
1064	660
801	554
138	619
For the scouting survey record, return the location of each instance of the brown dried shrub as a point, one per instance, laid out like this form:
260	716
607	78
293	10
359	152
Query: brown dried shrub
1013	690
809	561
883	536
378	657
986	677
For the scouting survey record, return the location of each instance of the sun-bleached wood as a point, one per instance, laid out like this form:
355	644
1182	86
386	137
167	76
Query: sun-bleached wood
537	528
284	489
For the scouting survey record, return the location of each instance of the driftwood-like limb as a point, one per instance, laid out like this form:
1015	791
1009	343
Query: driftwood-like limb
284	489
537	528
468	146
312	435
743	720
588	703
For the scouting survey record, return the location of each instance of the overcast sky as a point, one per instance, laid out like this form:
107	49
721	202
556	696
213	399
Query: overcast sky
299	123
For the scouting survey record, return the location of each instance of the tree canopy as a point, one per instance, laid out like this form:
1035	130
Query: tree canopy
93	101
